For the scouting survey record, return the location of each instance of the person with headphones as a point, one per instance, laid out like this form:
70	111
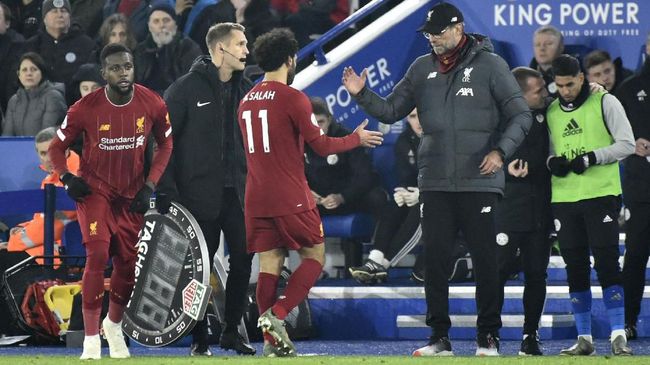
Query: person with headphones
207	171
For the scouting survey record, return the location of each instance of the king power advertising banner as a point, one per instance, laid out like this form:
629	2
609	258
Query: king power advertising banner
386	50
617	26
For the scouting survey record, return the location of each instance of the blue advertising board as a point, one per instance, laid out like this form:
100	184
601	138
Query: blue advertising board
617	26
387	48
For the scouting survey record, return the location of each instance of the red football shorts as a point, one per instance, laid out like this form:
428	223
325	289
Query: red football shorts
292	232
106	217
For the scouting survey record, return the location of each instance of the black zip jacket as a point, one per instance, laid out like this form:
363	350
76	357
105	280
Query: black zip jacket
634	94
526	204
349	173
195	173
406	163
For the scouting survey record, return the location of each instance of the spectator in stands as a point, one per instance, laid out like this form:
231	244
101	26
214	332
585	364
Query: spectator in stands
523	216
306	18
114	29
346	182
471	122
38	103
88	14
26	239
600	68
212	187
137	11
398	229
63	46
548	44
589	134
87	79
11	48
166	54
633	94
26	15
195	18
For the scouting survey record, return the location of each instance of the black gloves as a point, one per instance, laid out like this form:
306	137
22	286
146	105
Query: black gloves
582	162
75	186
140	203
559	166
163	202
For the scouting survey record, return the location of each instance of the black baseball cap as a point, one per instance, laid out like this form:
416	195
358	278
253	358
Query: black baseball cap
440	17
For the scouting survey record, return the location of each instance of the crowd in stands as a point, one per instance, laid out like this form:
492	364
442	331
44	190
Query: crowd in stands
49	59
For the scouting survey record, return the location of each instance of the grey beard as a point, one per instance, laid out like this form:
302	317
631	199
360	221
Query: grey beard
163	38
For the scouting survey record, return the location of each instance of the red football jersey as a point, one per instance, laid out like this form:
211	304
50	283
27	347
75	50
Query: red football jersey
115	138
276	120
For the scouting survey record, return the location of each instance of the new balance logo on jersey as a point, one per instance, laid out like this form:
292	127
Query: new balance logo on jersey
104	127
432	75
486	210
641	95
607	219
572	128
465	91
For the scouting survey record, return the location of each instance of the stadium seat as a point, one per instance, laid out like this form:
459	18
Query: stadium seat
71	242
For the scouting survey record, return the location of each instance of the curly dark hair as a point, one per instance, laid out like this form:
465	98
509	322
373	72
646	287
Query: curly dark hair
272	49
113	48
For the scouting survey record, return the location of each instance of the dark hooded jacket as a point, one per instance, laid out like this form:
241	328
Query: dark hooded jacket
195	173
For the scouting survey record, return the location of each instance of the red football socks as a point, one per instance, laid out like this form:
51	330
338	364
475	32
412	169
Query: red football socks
300	282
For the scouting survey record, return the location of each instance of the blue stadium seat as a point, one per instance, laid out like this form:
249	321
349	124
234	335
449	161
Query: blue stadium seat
71	242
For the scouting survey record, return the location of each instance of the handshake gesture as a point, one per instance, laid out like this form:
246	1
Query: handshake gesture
409	196
560	166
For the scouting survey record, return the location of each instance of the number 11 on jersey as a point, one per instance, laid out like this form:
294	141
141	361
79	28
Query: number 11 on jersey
262	115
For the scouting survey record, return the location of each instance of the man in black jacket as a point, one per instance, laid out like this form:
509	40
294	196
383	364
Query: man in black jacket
63	45
11	48
523	216
633	94
342	183
166	54
207	171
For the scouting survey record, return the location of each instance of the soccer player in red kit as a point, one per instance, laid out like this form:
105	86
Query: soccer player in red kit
111	190
276	120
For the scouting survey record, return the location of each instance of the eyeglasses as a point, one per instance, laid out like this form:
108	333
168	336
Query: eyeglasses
439	35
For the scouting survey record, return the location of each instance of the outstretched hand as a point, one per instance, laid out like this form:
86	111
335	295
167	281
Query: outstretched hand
370	139
354	83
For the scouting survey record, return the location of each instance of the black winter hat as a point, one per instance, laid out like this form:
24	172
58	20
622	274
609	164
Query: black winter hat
163	5
89	72
51	4
440	17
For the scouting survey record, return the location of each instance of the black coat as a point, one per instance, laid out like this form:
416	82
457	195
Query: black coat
11	48
63	56
406	152
526	204
195	175
349	173
157	68
634	94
